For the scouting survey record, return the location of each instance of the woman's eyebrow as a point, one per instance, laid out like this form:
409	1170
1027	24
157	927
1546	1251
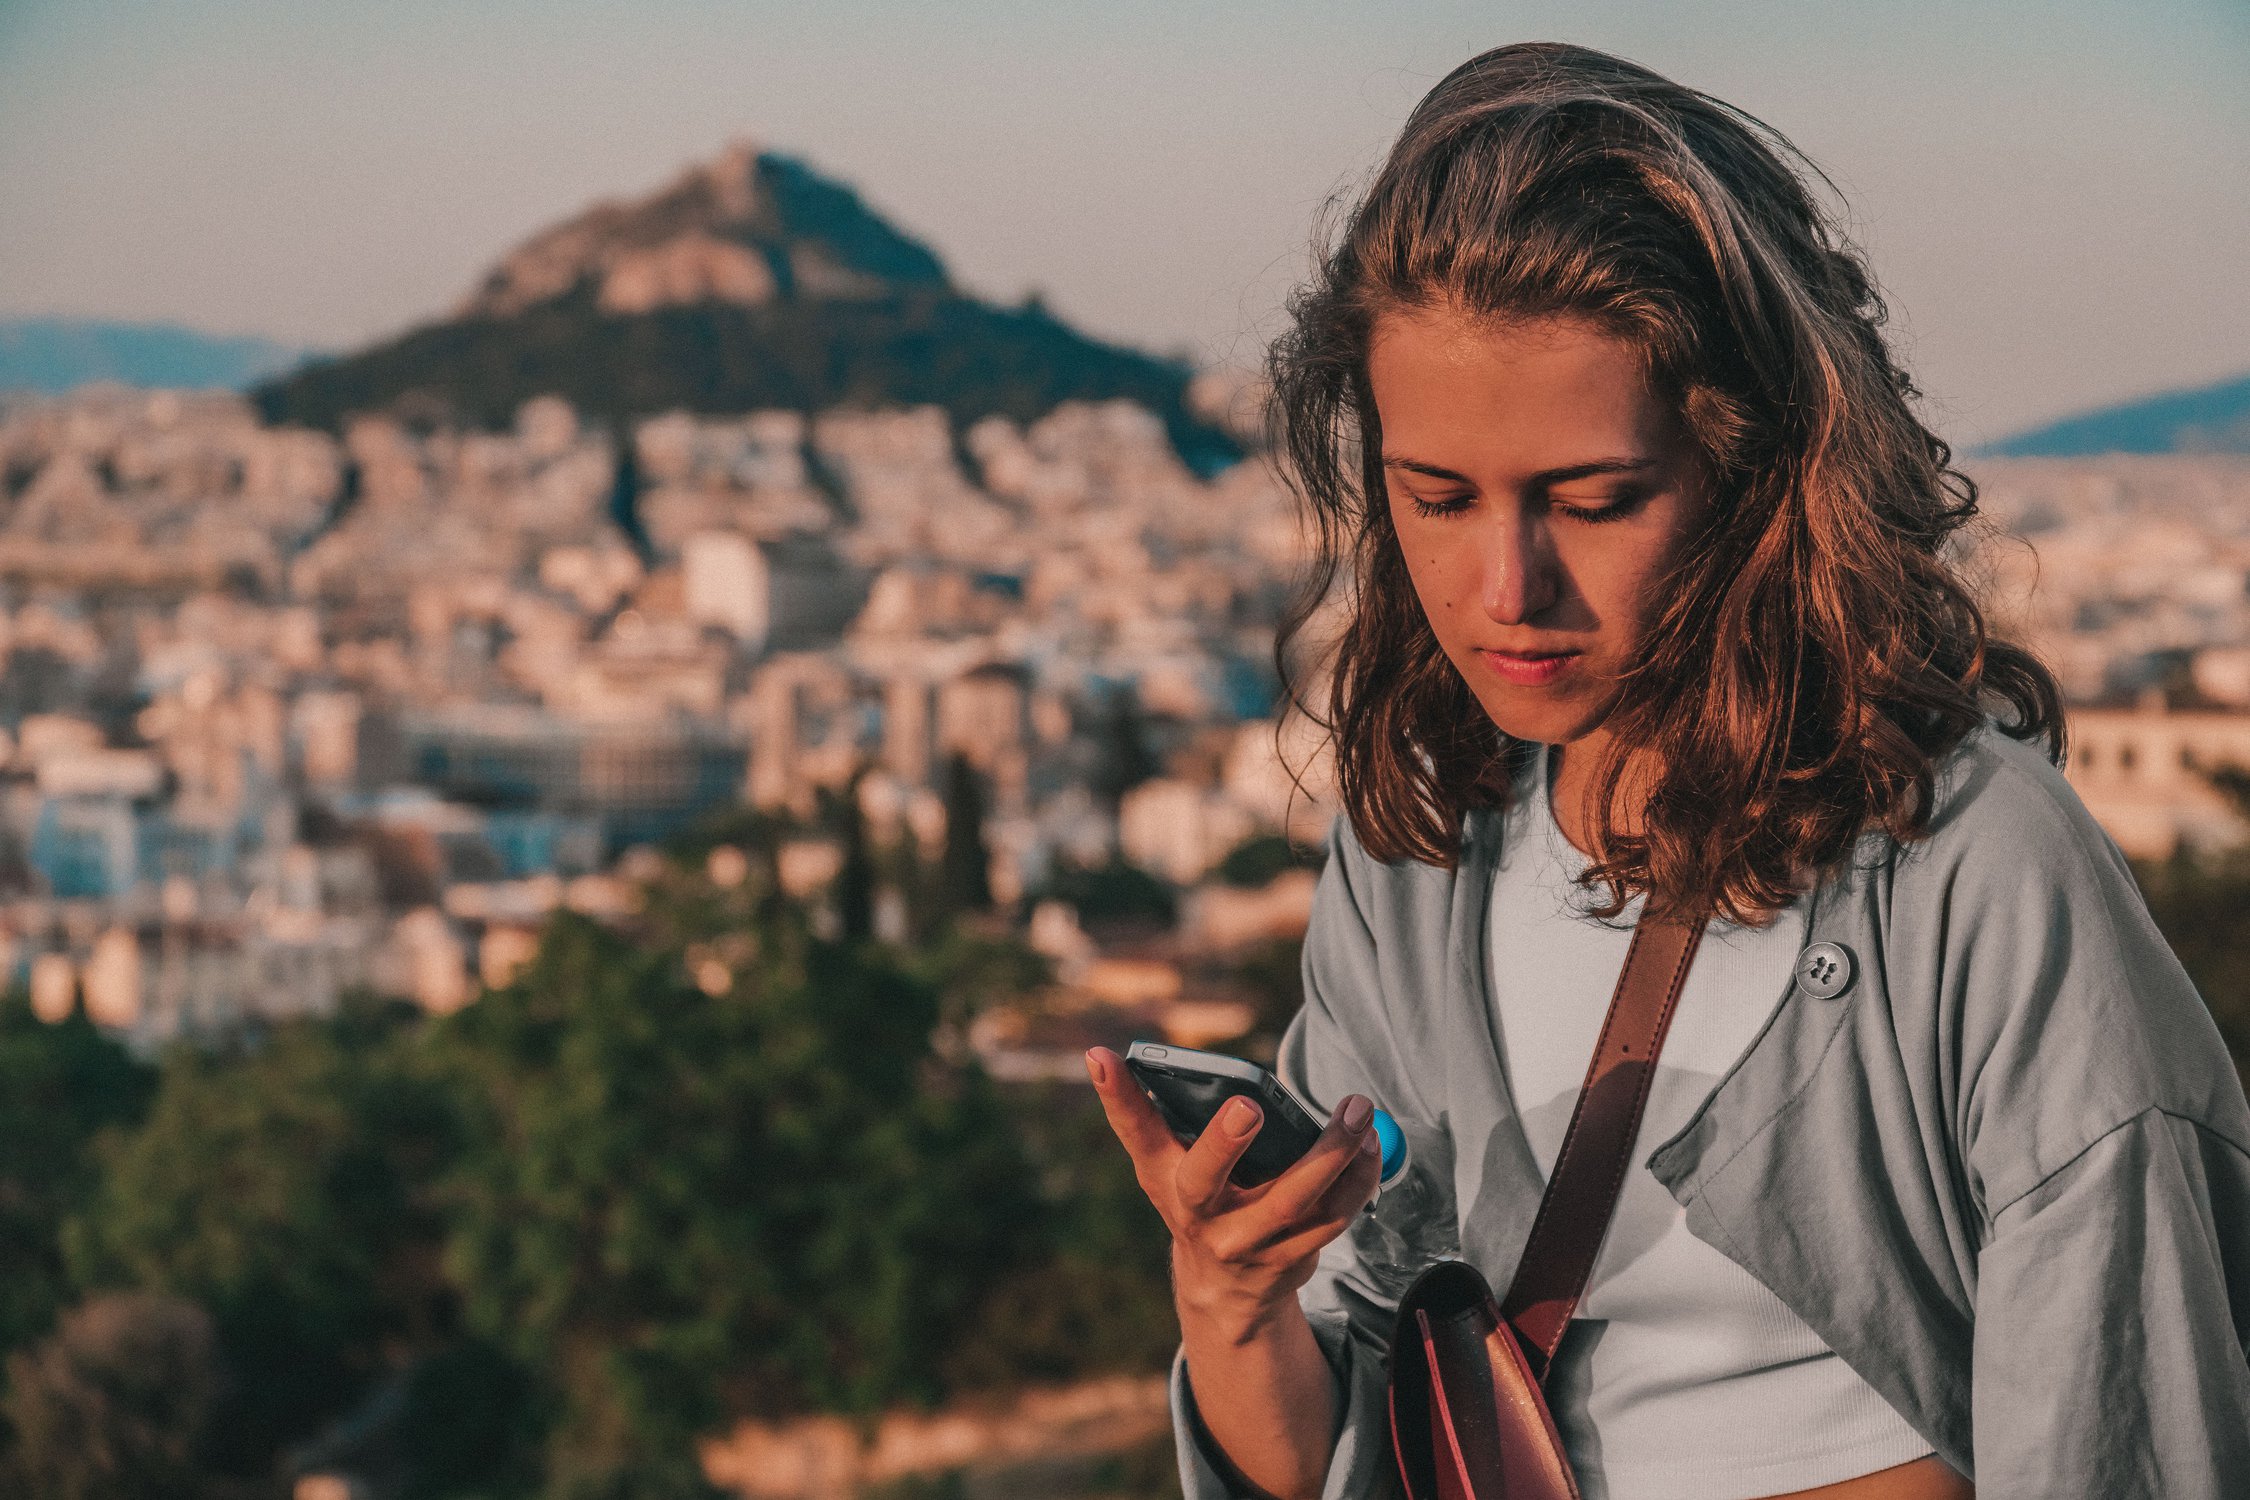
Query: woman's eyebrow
1544	479
1593	469
1428	471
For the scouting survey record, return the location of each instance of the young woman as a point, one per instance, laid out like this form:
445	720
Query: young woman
1943	1175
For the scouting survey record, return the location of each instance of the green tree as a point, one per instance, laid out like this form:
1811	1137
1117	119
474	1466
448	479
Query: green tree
286	1185
1273	973
59	1085
965	867
625	487
1116	892
1096	1296
1123	756
1261	857
854	892
2203	909
115	1405
680	1206
972	971
2201	903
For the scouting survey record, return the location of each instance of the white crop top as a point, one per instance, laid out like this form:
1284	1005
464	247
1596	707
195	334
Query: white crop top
1682	1377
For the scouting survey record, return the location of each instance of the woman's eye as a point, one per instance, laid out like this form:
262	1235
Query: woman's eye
1452	505
1599	508
1596	515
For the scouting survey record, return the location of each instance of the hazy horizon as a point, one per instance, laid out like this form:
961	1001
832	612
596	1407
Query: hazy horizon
2052	195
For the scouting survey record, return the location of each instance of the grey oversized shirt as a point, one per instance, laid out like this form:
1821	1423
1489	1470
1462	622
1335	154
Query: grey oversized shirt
2005	1173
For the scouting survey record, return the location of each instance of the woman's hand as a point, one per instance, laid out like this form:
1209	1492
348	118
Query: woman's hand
1239	1254
1262	1387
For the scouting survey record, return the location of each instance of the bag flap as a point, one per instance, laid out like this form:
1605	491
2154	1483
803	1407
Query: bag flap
1464	1407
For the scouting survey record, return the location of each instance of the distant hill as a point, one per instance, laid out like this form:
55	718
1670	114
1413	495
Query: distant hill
749	282
2208	419
56	354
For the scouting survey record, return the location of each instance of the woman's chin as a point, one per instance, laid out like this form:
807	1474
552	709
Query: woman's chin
1547	722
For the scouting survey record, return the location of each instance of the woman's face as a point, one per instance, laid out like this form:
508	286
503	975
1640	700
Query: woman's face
1540	491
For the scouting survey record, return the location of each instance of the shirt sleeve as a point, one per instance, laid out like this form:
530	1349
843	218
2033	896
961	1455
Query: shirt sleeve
1339	1043
1361	1465
2103	1131
2113	1313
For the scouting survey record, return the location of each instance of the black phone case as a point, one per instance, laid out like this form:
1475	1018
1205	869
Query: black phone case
1189	1101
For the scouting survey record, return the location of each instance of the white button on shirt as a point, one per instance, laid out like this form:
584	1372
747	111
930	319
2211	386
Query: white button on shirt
1682	1377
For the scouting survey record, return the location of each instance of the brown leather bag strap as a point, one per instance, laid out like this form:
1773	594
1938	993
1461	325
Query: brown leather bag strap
1582	1192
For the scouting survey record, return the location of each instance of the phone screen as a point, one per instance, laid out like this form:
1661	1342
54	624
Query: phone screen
1189	1087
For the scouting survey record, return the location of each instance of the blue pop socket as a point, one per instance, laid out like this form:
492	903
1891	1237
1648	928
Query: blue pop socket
1393	1141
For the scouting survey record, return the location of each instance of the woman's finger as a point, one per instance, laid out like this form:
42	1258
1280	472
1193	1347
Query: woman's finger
1146	1138
1201	1176
1334	1214
1355	1185
1293	1195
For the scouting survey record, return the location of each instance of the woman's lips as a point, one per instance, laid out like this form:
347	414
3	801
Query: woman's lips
1529	669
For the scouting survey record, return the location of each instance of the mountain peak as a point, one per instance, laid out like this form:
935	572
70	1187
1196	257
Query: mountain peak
748	227
747	283
2204	419
731	178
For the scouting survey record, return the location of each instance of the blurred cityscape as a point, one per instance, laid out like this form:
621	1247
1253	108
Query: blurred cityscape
288	715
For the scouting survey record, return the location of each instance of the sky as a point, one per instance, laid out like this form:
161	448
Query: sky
2054	195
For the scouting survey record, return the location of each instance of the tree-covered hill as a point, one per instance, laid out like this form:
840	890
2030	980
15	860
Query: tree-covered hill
750	282
913	347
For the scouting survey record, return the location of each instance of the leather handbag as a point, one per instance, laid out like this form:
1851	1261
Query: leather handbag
1468	1408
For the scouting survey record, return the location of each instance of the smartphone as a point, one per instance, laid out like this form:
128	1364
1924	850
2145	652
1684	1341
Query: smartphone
1189	1087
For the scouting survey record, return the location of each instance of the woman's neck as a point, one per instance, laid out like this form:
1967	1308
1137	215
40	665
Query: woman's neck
1571	771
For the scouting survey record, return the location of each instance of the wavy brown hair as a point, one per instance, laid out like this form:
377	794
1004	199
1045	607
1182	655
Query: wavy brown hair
1817	653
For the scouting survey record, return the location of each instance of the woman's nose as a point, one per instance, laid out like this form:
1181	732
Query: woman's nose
1518	582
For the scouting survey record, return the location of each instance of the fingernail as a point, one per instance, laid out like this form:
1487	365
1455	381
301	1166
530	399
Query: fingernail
1356	1111
1242	1117
1369	1146
1095	1069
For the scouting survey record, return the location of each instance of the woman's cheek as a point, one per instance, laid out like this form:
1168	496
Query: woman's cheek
1424	569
